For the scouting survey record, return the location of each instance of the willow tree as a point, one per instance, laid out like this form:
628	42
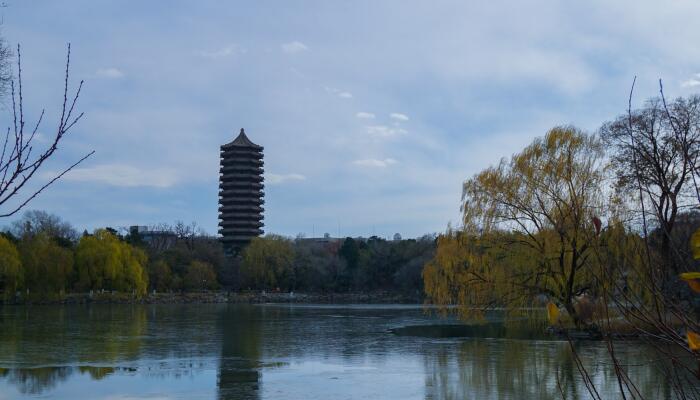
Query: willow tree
268	263
104	262
530	226
47	266
11	274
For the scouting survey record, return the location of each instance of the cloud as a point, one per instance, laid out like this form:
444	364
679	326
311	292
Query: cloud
294	47
274	179
340	93
364	115
692	82
225	51
110	73
374	163
398	116
385	131
123	176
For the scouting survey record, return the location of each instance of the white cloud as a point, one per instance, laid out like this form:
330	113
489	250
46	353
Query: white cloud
123	176
374	163
364	115
111	73
385	131
340	93
692	82
225	51
274	179
398	116
294	47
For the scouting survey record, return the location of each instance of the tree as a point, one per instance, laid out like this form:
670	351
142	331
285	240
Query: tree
376	265
5	69
35	222
47	266
654	151
200	276
104	262
350	251
529	227
21	157
464	272
268	263
317	267
160	276
11	274
414	254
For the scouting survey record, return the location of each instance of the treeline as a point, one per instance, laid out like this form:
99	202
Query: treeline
349	265
42	256
41	264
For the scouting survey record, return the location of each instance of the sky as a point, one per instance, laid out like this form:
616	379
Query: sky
372	113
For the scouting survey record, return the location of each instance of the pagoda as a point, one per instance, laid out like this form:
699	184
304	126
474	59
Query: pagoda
240	193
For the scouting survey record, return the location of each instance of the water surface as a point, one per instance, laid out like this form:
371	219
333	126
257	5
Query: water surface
291	352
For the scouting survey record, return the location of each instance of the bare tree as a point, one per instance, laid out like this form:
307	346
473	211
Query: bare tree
188	233
660	150
5	71
19	159
34	222
654	151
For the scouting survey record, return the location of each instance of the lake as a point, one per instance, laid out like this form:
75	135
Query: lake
292	352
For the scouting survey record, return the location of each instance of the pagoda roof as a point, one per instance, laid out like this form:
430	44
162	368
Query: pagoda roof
242	141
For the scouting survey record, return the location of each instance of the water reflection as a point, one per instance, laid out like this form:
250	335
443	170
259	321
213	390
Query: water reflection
239	366
268	352
35	380
515	369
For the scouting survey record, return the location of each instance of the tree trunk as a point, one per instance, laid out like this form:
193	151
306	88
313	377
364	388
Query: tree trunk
569	306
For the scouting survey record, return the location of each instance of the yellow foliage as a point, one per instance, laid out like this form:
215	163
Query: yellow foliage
47	266
693	340
552	313
105	262
476	272
268	263
694	285
695	244
528	229
693	279
11	273
689	276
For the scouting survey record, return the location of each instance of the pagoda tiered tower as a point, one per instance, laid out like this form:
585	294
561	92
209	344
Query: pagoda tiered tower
240	192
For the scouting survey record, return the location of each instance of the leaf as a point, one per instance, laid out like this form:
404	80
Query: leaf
689	276
695	244
693	279
553	313
693	340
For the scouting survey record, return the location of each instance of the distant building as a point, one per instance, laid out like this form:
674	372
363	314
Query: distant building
157	239
325	239
240	192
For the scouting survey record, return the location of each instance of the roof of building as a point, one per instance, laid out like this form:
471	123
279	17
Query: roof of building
242	141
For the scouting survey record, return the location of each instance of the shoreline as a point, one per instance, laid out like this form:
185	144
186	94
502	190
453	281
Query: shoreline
219	297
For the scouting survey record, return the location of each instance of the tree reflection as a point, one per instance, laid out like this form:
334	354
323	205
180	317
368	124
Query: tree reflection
67	335
496	369
35	381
